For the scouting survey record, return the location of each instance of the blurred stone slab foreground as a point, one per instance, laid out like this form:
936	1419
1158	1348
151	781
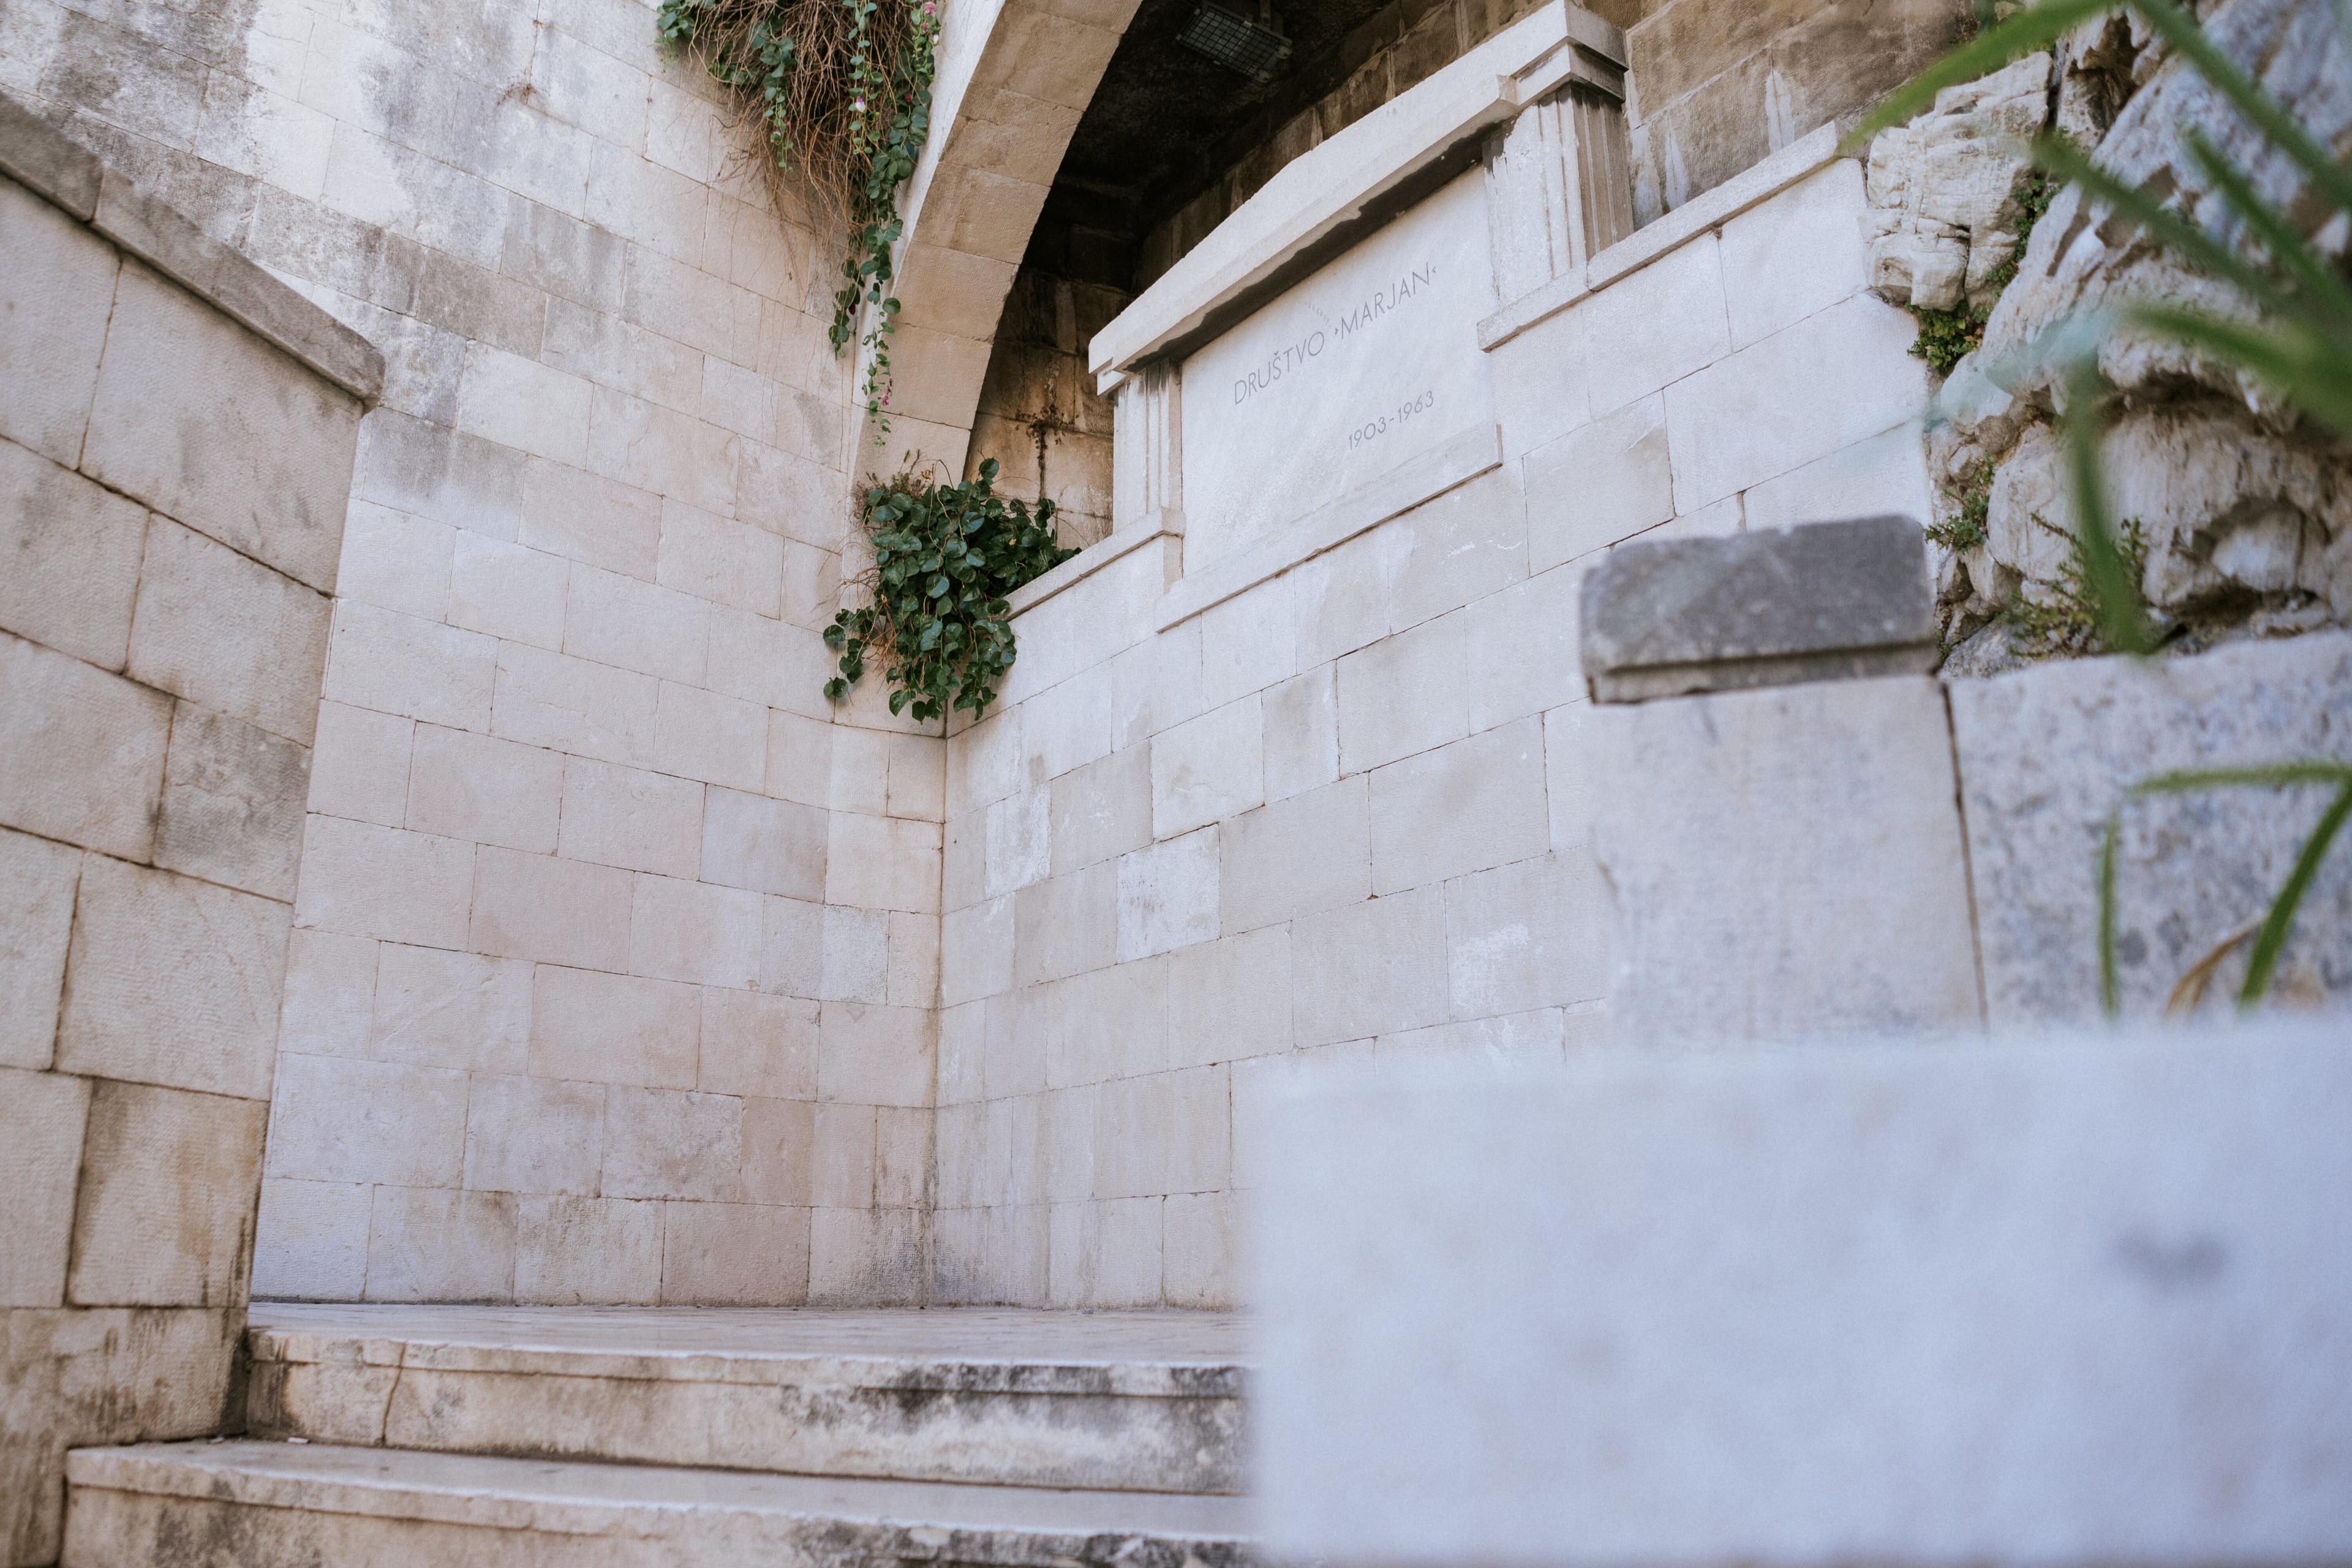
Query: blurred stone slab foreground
2060	1299
1821	601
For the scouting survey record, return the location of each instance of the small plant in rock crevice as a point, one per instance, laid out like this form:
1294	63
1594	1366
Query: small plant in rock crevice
842	92
945	556
1965	529
1947	336
2297	344
2065	619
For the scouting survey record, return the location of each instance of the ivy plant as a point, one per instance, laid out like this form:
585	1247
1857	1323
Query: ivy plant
842	90
945	557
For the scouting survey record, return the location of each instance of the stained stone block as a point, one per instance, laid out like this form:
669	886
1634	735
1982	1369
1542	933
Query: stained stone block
72	549
56	287
2191	870
758	1044
1825	601
570	1251
436	1009
232	806
310	1241
1370	968
216	627
36	888
169	1184
41	1118
173	981
81	752
533	1135
338	1121
1785	862
1467	807
2025	1302
434	1245
364	880
202	420
71	1379
730	1255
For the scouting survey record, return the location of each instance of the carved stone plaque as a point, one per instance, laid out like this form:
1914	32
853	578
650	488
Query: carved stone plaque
1354	370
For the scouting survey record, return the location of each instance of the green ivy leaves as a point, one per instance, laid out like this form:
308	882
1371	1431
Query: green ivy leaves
945	557
883	79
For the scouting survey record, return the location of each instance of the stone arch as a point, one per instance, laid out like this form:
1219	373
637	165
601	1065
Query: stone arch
1015	77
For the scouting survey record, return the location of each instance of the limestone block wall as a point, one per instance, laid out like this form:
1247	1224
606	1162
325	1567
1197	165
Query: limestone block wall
1349	811
1718	84
615	949
171	489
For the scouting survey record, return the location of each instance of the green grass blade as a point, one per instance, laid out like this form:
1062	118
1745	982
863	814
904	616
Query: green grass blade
2062	160
2272	937
2262	110
2315	381
2264	775
2323	286
2025	33
2123	617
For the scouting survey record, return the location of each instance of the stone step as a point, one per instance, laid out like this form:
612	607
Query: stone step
255	1504
1145	1401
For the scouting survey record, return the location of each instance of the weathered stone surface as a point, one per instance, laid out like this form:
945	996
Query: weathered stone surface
71	551
1819	600
2246	522
1784	863
59	168
168	1187
37	879
271	1505
1943	189
43	1117
171	980
1119	1401
98	1376
2045	753
196	418
2295	49
1905	1301
57	285
232	804
217	628
81	752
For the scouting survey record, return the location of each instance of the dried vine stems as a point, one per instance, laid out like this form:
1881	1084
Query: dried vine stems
842	92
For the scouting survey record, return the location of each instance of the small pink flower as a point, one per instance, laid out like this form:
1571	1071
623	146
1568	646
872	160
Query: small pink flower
859	104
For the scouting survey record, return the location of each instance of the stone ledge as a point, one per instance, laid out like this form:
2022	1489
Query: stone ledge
1422	478
713	1513
1102	552
61	170
1356	180
1823	601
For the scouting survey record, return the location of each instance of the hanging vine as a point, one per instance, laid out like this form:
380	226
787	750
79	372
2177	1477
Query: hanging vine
841	89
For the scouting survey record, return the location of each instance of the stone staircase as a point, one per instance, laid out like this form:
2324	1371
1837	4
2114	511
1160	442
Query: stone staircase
624	1437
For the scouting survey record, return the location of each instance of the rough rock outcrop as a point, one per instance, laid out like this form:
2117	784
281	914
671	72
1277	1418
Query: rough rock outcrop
1944	189
2246	515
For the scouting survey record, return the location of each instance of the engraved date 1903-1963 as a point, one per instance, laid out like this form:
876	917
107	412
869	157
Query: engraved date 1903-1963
1366	434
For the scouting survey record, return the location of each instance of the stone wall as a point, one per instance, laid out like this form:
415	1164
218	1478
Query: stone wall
2244	514
1039	415
1348	811
1718	84
173	480
614	949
